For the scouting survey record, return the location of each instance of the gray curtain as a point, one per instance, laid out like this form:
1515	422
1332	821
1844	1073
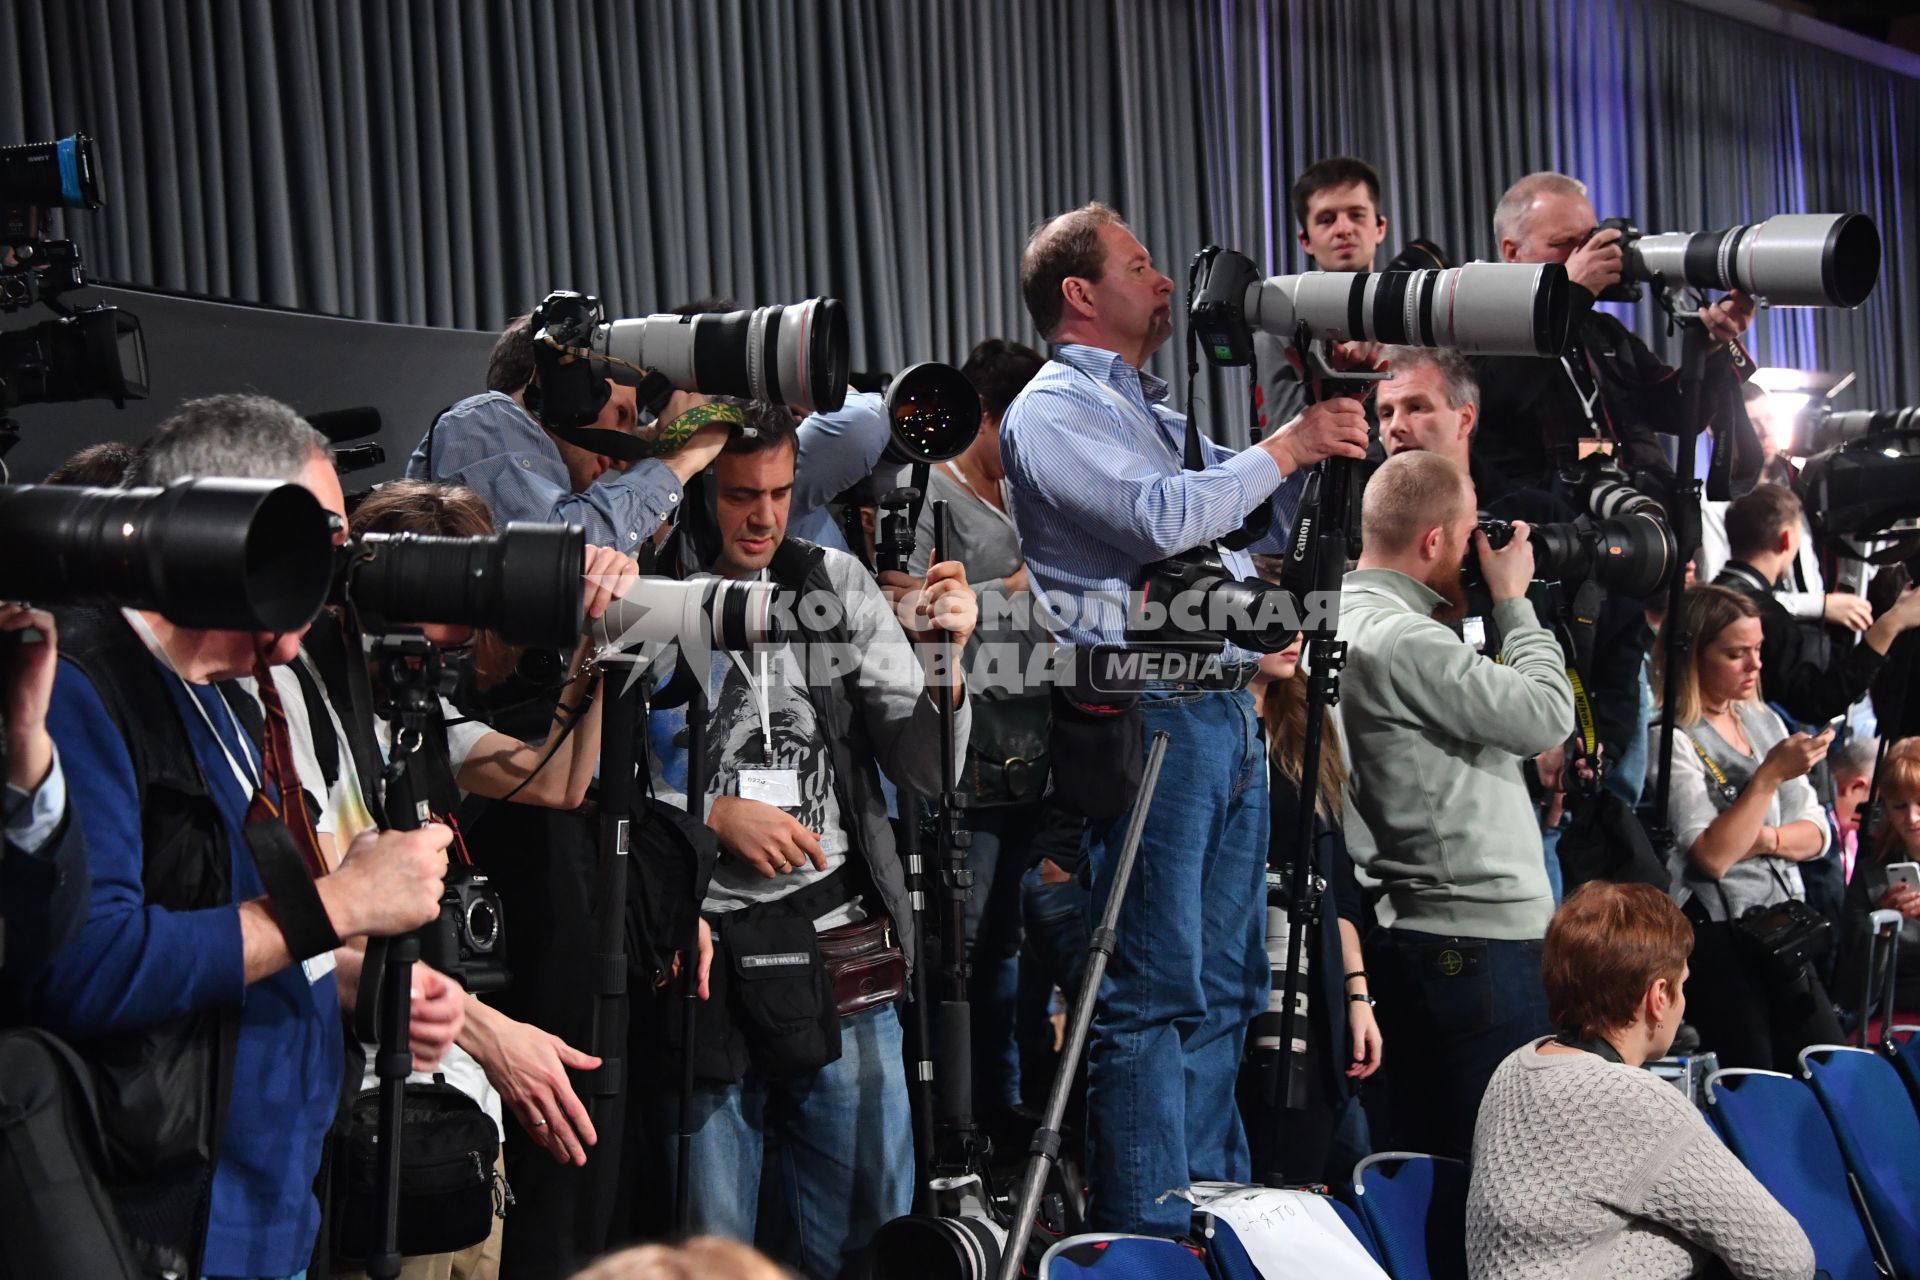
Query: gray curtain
445	162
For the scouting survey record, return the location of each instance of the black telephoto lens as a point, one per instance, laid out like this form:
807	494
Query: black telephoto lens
213	555
526	584
934	412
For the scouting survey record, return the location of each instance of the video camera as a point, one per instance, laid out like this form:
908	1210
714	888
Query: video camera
89	353
1789	260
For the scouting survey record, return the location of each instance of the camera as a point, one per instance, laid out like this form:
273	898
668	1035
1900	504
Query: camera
1790	260
526	583
468	938
1632	555
213	555
794	354
1602	488
1819	426
1190	602
933	414
1482	308
1862	488
89	353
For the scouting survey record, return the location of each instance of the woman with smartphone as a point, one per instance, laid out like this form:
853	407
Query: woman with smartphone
1887	877
1744	817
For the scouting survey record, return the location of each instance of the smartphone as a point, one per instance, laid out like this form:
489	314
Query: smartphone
1903	875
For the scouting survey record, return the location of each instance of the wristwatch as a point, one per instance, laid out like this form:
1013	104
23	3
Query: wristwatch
1361	997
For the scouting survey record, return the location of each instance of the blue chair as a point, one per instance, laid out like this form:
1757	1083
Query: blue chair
1873	1117
1416	1207
1774	1124
1120	1257
1358	1225
1906	1056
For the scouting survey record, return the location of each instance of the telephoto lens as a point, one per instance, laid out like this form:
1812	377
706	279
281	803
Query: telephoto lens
718	612
1482	308
1818	428
794	354
1790	260
213	555
933	413
527	583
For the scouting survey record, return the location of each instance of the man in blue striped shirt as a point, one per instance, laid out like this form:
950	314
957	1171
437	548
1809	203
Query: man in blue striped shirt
1099	492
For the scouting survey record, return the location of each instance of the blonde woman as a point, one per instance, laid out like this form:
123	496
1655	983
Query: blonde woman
1743	818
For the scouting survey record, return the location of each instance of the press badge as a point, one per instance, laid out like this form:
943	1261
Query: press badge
777	787
317	967
1474	632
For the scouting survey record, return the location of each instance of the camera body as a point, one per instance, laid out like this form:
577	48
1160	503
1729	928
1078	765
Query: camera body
468	939
1191	603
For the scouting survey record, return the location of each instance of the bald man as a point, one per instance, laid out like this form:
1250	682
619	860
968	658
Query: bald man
1440	816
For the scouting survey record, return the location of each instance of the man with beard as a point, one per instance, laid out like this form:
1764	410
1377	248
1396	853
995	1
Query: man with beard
1435	735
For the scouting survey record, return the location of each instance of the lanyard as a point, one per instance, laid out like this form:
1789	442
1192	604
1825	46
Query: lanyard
250	781
760	703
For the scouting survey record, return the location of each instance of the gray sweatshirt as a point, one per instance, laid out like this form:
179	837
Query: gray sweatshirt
1436	735
1593	1169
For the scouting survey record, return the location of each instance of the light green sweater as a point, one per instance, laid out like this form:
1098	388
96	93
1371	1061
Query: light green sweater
1436	735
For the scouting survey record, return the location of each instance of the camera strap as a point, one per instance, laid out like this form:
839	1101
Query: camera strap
1595	1045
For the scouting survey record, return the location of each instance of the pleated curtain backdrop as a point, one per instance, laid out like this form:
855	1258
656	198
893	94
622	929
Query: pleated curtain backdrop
445	162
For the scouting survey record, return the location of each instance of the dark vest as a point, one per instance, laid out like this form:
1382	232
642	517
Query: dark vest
163	1090
801	566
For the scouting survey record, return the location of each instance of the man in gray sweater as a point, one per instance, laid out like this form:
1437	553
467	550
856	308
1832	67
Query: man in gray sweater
1436	735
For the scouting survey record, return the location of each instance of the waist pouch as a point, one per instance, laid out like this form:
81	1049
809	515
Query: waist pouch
865	964
777	989
447	1179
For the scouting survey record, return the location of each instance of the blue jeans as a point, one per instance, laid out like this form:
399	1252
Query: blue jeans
1188	973
1456	1007
998	860
1628	776
842	1144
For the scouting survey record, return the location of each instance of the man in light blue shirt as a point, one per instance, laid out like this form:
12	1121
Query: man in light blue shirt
492	444
1094	460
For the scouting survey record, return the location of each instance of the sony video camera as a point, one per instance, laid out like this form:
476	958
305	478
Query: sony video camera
1789	260
84	353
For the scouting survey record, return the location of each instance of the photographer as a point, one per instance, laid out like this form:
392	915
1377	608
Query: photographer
1541	416
492	444
1743	817
43	865
1804	676
1336	203
813	1090
1464	896
1094	461
216	1048
1583	1163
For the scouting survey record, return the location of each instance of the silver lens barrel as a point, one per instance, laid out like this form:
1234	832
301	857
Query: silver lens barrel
1791	259
1482	308
720	613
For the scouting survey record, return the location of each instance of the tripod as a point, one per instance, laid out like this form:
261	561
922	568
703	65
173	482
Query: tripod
1046	1139
1316	562
409	679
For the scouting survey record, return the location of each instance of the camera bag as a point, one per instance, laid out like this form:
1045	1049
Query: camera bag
448	1146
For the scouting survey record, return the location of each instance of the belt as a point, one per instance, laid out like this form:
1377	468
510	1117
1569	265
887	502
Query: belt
1231	677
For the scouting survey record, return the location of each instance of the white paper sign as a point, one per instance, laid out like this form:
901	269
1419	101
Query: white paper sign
1288	1234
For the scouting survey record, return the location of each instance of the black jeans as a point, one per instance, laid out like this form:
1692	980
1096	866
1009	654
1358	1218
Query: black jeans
1742	1016
1451	1009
